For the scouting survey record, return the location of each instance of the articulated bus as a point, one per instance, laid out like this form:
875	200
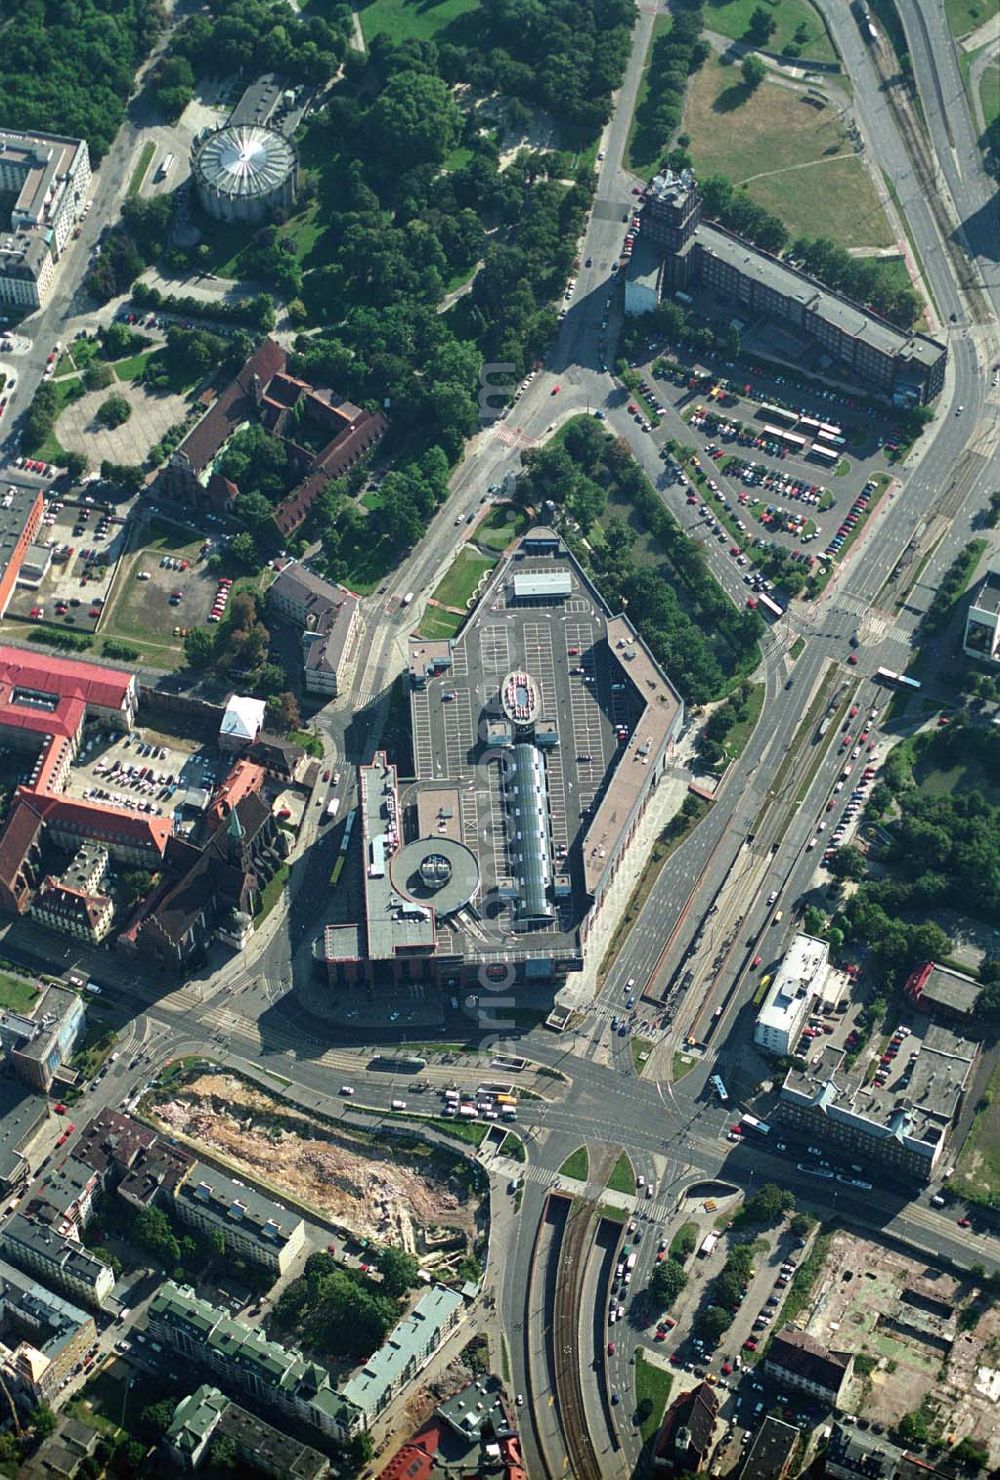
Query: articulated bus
776	413
828	426
896	680
830	439
770	606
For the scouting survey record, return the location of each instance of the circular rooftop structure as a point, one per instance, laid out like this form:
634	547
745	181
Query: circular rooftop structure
521	698
244	173
438	872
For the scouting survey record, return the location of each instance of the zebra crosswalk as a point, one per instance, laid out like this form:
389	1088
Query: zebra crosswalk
514	437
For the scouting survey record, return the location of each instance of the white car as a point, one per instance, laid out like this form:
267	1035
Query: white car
601	155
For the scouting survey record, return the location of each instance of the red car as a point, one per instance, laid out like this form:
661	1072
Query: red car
756	962
829	805
853	660
675	1357
750	1345
964	1222
554	391
660	1335
660	1257
726	1369
942	719
611	1348
59	1109
326	775
854	710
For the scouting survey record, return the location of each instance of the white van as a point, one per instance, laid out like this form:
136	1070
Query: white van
398	1104
93	989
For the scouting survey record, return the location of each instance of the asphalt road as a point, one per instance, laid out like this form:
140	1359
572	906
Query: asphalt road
243	1015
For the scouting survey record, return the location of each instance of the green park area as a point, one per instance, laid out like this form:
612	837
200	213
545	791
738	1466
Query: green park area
967	15
501	528
978	1171
796	24
410	20
576	1165
790	150
16	992
454	590
652	1389
622	1179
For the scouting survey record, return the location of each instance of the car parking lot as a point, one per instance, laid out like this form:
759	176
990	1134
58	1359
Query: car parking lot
86	540
765	494
164	589
145	774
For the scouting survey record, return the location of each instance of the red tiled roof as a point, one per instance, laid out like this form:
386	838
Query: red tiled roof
23	827
244	778
415	1461
66	677
87	817
232	406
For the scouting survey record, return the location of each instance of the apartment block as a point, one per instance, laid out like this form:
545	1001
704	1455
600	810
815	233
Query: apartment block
253	1226
241	1358
57	1260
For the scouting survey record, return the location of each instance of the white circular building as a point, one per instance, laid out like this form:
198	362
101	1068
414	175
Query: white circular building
244	172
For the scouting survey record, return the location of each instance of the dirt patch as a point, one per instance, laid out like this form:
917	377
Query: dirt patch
899	1314
351	1182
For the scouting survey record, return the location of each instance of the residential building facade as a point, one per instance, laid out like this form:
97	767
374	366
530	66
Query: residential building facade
905	368
56	1260
253	1226
405	1351
243	1359
798	1360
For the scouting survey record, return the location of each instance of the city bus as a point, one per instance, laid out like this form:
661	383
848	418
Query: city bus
794	441
720	1089
770	605
896	680
824	454
830	439
778	414
828	426
810	424
166	165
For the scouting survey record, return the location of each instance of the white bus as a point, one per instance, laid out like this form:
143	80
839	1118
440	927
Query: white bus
166	165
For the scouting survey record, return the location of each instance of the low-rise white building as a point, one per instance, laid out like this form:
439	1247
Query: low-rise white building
801	976
982	625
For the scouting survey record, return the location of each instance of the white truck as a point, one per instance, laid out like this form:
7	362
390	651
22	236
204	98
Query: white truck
708	1243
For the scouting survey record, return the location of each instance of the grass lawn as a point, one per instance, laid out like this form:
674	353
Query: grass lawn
979	1164
731	17
684	1242
135	365
16	992
783	149
989	93
437	623
653	1383
965	15
271	893
683	1064
404	20
462	577
622	1179
969	774
141	167
504	525
513	1147
641	1050
94	1047
735	741
576	1165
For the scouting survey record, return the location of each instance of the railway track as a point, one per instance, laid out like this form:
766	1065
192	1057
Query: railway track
581	1456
